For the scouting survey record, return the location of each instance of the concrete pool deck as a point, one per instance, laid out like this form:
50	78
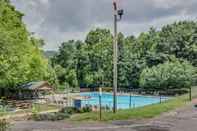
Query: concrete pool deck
183	119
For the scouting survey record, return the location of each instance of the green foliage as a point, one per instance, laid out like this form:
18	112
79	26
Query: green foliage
64	113
69	110
4	125
86	109
73	110
89	63
21	59
86	64
170	75
50	116
179	39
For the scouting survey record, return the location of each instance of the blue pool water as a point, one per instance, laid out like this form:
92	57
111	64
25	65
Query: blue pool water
123	101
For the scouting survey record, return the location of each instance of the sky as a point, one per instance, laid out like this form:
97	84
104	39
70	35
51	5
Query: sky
57	21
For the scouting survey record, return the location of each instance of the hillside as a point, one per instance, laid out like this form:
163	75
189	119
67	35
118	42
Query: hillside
49	53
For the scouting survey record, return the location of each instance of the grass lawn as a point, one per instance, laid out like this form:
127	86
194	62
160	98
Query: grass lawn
149	111
45	107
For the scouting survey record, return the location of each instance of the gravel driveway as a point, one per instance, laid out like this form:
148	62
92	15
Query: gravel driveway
184	119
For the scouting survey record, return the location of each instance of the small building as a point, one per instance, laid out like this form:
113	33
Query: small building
32	90
37	86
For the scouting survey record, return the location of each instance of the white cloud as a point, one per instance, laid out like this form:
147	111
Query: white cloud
44	1
60	20
167	3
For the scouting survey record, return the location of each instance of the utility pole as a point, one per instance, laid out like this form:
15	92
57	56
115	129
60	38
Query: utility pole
117	13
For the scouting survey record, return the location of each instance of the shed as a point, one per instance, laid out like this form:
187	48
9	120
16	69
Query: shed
37	86
33	90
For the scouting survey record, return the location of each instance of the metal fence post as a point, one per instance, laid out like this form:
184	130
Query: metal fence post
190	93
130	100
100	104
100	110
160	99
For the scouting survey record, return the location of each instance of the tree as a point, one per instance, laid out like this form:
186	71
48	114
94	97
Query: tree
179	39
92	59
21	59
99	48
65	63
170	75
86	61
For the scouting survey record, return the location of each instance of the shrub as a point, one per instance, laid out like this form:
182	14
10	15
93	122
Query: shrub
107	108
63	114
50	116
69	110
4	125
73	110
170	75
35	109
86	109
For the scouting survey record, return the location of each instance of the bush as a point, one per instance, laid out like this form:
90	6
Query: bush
63	114
69	110
50	116
73	110
4	125
107	108
86	109
170	75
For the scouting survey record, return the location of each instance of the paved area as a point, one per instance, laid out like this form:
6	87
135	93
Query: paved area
184	119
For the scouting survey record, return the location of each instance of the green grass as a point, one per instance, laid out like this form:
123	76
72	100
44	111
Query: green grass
137	113
44	107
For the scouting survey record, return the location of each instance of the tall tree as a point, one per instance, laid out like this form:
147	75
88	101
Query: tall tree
93	61
21	59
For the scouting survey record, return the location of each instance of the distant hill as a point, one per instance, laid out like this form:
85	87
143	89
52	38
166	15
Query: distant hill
49	53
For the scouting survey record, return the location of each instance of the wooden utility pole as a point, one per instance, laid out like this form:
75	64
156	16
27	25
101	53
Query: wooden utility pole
117	13
115	60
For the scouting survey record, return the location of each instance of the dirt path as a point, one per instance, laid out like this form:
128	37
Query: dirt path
184	119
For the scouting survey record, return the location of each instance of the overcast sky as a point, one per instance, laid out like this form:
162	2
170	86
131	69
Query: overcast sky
59	20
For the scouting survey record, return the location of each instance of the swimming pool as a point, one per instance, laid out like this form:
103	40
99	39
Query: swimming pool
123	101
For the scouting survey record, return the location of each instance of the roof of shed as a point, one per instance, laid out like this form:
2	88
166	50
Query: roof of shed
34	85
